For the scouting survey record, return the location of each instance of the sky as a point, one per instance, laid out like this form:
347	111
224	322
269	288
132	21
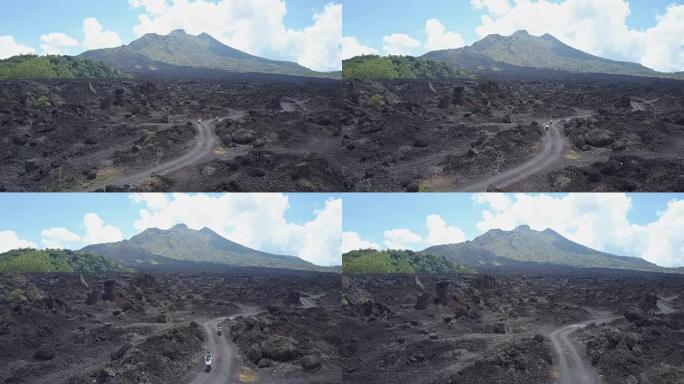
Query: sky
304	225
305	31
650	32
648	225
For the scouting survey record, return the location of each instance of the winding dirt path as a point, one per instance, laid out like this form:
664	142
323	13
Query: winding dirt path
553	147
665	305
205	141
308	300
573	368
222	350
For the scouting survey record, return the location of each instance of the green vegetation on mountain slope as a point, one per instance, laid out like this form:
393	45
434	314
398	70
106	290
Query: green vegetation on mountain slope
49	67
55	260
179	49
500	248
522	51
398	67
180	243
396	261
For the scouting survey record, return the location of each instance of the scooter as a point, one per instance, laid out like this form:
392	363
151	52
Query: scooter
207	362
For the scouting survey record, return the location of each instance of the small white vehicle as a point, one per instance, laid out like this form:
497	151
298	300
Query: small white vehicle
208	359
548	125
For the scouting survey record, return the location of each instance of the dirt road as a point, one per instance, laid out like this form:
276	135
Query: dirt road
222	350
665	305
573	368
553	146
308	300
205	141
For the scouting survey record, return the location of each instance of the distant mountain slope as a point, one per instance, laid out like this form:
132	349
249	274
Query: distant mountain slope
55	260
516	248
154	52
522	51
394	261
49	67
180	243
398	67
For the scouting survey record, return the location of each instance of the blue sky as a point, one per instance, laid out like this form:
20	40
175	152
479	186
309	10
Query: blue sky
645	225
278	223
600	27
27	22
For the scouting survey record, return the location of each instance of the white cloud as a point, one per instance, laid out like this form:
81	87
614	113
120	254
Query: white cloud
351	47
9	47
664	238
253	26
401	238
97	232
254	220
351	241
495	7
57	43
498	201
321	237
399	44
439	38
96	37
599	221
58	237
440	233
597	27
154	7
9	241
155	201
319	45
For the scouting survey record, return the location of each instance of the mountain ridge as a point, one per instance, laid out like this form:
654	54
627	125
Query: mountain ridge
178	49
523	52
523	247
182	245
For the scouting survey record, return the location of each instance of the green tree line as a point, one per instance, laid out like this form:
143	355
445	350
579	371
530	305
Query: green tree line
397	261
55	260
50	67
398	67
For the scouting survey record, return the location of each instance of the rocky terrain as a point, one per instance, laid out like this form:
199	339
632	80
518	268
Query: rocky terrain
604	135
252	134
512	328
69	328
298	134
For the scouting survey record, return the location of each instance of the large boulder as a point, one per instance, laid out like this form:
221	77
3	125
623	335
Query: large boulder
93	297
422	302
279	348
598	138
500	328
442	293
254	354
109	290
311	362
44	352
459	96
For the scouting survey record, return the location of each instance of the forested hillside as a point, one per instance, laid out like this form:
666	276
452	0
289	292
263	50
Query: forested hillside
398	67
49	67
396	261
55	260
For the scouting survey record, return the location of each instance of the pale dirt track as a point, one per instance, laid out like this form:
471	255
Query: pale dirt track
222	350
573	367
552	148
